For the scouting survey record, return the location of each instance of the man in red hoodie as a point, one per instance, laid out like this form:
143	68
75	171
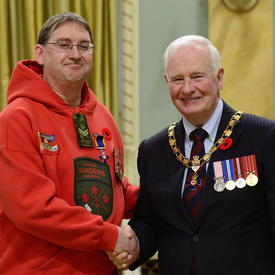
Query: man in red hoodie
62	193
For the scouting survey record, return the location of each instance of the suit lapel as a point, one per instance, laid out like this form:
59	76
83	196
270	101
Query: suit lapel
176	169
218	155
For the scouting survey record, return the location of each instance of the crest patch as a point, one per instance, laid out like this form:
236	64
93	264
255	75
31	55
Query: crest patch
47	143
82	131
118	164
93	186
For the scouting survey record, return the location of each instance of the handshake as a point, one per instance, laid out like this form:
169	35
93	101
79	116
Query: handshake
126	250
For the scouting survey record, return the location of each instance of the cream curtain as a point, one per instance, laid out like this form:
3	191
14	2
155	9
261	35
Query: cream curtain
245	41
21	20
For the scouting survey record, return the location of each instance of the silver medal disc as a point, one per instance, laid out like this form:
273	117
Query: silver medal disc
240	182
219	186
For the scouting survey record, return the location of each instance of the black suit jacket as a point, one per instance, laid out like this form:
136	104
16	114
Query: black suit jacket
234	231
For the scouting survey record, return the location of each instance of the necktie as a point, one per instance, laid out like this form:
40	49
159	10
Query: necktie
193	191
193	188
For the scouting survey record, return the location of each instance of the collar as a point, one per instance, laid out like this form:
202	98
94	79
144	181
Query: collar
211	126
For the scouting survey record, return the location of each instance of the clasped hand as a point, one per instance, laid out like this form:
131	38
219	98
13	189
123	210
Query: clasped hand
126	250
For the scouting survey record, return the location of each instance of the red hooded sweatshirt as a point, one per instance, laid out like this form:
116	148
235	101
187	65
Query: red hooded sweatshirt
60	203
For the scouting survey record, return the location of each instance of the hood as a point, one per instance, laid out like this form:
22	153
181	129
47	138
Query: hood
27	81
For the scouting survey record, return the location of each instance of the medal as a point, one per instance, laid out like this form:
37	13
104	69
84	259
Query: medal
101	145
195	164
103	157
252	180
251	170
219	184
240	182
193	182
237	172
230	185
229	174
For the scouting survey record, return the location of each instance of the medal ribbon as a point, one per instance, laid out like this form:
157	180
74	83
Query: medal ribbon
251	170
218	170
239	169
252	166
225	172
99	141
246	168
231	175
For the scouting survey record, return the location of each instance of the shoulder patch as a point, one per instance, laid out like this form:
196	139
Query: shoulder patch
48	143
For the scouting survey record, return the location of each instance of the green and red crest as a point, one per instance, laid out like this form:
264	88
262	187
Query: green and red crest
93	186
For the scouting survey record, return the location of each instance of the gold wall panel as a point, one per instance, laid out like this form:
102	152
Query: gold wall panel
245	42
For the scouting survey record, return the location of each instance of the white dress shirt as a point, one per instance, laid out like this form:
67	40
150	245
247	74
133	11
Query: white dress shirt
211	127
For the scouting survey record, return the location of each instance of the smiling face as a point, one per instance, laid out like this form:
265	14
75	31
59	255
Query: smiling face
193	85
59	66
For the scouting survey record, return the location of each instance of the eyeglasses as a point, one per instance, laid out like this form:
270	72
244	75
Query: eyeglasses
66	46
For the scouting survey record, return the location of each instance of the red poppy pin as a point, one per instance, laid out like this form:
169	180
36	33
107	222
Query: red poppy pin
106	133
227	144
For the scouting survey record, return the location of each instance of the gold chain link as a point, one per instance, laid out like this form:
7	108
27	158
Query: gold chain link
226	134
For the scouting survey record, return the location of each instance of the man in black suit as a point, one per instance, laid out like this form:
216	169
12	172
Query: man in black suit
211	213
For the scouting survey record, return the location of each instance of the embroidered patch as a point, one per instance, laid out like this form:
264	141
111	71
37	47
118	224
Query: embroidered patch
93	186
47	143
118	163
82	131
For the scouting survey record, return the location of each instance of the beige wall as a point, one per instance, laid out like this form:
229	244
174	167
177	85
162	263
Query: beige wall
245	41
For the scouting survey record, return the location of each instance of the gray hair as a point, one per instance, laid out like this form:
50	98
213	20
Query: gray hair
59	19
190	40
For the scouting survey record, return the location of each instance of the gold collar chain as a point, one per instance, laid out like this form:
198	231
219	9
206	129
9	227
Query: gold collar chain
196	163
